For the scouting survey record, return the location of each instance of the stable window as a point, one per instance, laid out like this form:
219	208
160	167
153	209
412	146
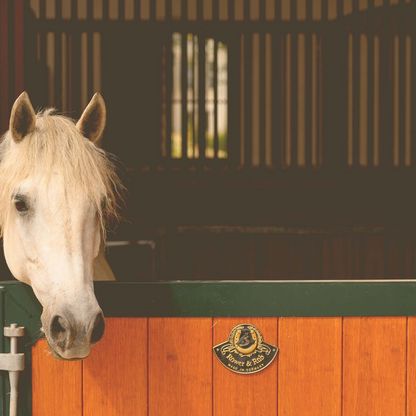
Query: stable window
195	89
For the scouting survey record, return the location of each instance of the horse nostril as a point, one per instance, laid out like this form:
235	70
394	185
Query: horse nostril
59	326
98	328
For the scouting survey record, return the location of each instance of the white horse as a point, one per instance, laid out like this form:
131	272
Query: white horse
57	190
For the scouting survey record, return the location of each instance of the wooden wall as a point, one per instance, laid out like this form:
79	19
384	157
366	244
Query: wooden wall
272	253
165	367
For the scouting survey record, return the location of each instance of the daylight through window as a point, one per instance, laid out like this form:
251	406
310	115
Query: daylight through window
197	126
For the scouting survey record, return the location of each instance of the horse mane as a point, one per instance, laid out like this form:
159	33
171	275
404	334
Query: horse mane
56	145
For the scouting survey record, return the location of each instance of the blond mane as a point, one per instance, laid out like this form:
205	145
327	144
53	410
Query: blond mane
56	145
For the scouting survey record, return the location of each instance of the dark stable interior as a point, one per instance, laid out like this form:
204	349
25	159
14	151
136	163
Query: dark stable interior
295	156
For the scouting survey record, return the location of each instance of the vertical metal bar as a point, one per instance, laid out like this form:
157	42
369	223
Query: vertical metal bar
293	88
246	10
216	138
106	9
184	10
199	11
278	10
153	10
233	99
10	54
262	12
308	99
42	45
286	107
356	82
76	72
231	10
58	69
4	68
215	10
277	98
334	77
340	122
193	103
325	10
293	11
169	89
370	99
58	9
75	79
308	88
386	108
413	93
294	99
194	87
137	6
320	102
19	49
340	7
90	50
184	93
74	8
58	58
122	10
90	65
262	97
75	51
248	68
201	97
402	75
42	9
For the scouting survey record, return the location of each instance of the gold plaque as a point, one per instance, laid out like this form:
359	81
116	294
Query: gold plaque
245	352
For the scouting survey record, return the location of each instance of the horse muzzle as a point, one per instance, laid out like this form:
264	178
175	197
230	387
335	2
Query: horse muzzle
71	338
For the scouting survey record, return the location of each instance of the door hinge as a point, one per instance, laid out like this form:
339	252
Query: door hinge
13	362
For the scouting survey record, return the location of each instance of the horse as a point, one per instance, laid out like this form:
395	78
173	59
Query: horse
58	191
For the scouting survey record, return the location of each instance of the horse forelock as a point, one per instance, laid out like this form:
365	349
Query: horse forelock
56	146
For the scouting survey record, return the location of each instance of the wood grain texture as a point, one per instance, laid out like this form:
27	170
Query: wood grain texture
411	366
165	367
241	394
180	366
115	374
56	384
310	366
374	362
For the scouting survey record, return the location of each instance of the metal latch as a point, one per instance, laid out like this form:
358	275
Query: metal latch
13	362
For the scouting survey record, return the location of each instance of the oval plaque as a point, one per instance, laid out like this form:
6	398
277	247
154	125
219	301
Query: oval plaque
245	352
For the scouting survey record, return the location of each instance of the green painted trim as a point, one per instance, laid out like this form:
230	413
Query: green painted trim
228	298
256	298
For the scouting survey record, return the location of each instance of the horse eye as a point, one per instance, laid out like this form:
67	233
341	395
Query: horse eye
20	204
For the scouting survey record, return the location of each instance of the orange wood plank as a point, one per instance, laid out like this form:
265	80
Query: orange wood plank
56	384
180	366
310	367
115	374
374	366
411	366
241	394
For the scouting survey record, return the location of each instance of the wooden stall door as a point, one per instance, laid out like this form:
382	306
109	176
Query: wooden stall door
165	367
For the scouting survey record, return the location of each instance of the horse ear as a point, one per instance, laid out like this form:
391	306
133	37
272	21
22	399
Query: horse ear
22	118
92	122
